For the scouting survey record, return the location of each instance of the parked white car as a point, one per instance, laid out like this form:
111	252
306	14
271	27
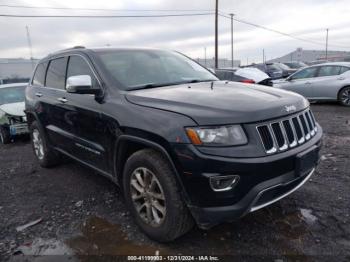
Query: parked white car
13	121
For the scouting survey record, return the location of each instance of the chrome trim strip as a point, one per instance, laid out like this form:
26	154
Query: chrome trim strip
254	208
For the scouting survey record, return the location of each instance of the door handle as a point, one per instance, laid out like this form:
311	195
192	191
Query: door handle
62	100
341	78
307	83
39	94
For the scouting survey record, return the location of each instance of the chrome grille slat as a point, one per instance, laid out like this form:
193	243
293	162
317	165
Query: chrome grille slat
281	135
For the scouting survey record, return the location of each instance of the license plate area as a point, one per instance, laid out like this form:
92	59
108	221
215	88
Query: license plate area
306	161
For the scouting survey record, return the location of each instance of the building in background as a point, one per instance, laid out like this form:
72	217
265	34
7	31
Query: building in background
15	70
222	63
313	55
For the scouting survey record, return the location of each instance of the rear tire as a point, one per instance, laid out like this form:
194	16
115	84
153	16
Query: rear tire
46	156
164	215
5	137
344	96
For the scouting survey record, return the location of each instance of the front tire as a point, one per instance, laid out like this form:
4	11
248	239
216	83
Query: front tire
344	96
45	155
5	137
153	196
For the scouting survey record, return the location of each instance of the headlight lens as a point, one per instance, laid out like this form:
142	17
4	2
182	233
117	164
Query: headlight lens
217	136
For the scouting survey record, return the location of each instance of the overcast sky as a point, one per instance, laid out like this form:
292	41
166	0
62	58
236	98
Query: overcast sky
303	18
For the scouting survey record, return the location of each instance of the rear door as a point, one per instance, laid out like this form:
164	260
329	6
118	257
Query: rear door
59	124
328	82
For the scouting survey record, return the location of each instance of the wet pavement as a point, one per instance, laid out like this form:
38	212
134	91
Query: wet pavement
81	213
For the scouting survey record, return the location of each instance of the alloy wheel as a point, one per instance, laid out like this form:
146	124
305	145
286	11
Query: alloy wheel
38	144
148	196
345	96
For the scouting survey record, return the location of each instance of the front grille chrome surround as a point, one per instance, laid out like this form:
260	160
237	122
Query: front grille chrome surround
286	133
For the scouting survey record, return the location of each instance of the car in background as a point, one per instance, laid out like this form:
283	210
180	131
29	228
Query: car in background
295	64
13	121
274	71
317	62
244	75
286	70
325	82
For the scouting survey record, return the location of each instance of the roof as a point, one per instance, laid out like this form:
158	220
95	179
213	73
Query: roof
335	63
13	85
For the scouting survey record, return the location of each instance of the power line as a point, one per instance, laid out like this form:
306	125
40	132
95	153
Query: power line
105	9
277	31
103	16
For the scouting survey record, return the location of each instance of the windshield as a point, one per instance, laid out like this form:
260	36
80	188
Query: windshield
137	69
10	95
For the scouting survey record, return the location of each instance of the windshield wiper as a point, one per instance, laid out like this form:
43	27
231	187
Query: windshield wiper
154	85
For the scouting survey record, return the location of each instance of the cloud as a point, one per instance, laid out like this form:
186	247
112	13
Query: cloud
190	35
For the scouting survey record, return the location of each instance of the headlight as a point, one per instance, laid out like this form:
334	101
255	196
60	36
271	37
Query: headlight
217	136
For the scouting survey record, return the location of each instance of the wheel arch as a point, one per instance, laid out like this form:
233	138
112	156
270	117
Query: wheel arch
126	145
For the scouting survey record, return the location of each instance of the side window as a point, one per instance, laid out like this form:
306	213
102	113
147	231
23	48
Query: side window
220	74
78	66
344	69
305	73
329	71
55	77
39	75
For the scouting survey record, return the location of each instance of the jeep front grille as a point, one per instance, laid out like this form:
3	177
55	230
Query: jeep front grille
280	135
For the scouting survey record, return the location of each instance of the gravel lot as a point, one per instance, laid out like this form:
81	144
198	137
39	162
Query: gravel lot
81	213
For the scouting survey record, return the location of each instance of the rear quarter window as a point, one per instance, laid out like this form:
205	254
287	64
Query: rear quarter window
39	75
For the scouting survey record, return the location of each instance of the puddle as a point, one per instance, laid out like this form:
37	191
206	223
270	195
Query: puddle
41	247
99	237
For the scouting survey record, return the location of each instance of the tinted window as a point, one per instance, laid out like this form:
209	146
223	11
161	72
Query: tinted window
78	66
221	75
343	69
56	72
39	75
305	73
329	71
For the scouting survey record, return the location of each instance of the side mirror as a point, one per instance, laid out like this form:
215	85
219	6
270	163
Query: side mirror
81	84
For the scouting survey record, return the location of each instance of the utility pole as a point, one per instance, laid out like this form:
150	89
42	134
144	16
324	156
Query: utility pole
30	47
216	32
205	56
327	44
263	56
232	63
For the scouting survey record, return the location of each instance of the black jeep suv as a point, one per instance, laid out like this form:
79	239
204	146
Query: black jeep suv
183	146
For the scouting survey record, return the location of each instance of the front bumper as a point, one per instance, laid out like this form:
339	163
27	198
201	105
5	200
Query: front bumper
263	181
18	129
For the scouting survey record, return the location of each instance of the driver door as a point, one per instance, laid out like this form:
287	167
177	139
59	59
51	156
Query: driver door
302	81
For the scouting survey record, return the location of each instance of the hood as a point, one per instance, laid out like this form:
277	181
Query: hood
225	103
14	109
252	73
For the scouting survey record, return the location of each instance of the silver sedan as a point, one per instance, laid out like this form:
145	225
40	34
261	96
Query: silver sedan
325	82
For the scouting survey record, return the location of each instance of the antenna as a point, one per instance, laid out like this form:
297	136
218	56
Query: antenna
30	46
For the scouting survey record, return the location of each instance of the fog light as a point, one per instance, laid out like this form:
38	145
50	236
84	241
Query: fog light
223	183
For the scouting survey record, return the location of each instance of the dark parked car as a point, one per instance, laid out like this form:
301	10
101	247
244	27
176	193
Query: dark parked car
295	64
183	146
13	121
286	70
